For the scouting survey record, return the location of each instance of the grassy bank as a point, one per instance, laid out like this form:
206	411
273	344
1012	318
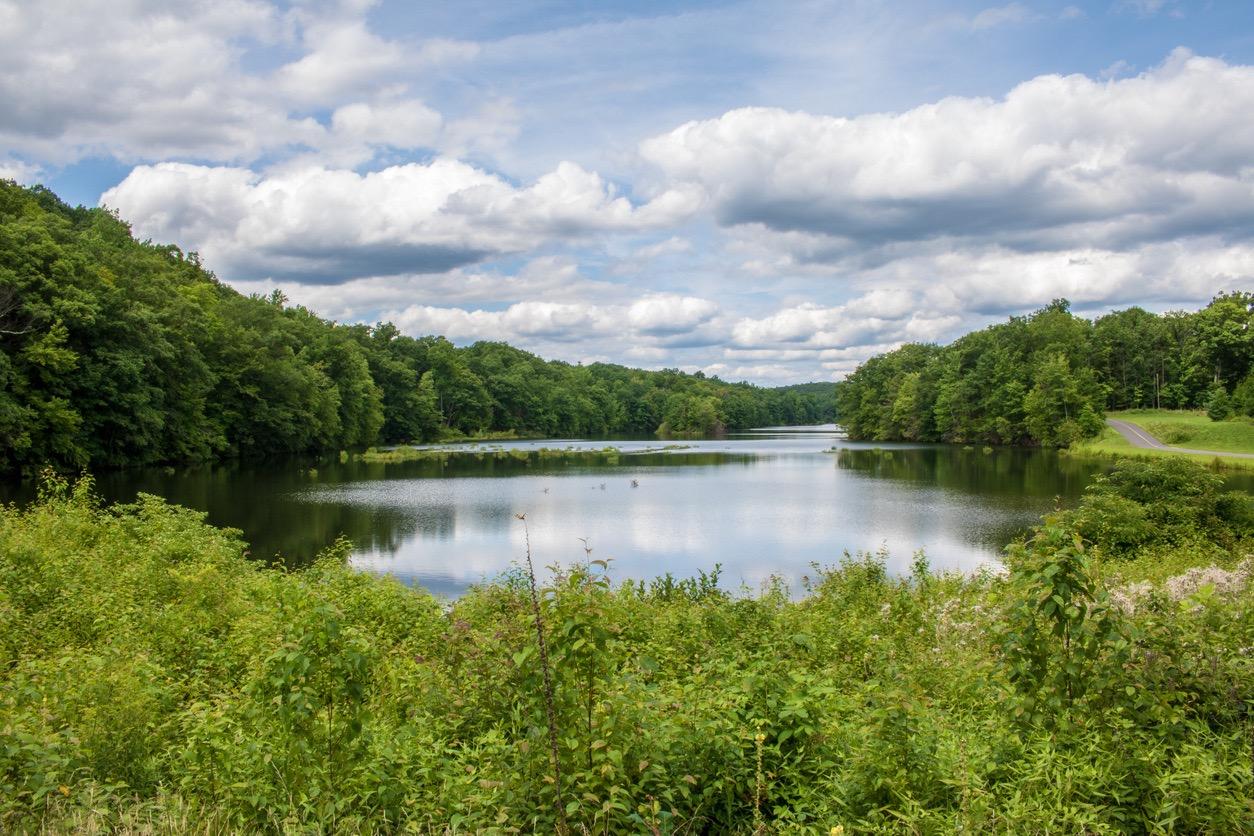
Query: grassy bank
155	678
1194	429
1180	429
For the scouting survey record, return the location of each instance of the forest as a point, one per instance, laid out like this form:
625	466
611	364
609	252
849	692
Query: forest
1047	378
118	352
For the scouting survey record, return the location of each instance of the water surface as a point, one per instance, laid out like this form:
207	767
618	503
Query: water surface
761	504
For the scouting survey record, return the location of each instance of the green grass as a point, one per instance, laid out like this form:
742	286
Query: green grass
1193	429
1181	429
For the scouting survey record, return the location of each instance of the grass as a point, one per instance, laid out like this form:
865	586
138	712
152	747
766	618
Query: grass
1181	429
1193	429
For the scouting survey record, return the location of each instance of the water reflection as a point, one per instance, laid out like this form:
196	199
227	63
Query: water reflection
765	503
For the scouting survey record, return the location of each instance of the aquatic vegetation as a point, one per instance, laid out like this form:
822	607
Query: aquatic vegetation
603	455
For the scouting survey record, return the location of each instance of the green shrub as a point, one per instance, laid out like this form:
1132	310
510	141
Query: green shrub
156	680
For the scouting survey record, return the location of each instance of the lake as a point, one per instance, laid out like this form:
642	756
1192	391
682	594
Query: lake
764	503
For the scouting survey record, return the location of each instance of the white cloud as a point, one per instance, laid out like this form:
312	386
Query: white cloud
668	313
1145	8
525	322
489	129
671	246
1117	69
1008	15
144	80
401	124
552	278
879	317
938	293
137	79
318	224
345	59
22	172
1061	160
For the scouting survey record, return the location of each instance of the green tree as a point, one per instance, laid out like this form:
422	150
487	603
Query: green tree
1218	404
1063	405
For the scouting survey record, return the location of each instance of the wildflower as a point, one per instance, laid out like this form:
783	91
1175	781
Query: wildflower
838	830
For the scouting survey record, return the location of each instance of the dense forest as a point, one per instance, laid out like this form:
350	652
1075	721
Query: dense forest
1047	378
117	352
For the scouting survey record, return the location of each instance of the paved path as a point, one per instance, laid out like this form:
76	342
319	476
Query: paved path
1138	437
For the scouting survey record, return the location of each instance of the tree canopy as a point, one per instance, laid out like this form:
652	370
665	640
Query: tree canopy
1047	378
118	352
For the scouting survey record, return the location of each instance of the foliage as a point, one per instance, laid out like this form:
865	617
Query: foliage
1047	378
156	679
1063	641
1218	404
115	352
1148	502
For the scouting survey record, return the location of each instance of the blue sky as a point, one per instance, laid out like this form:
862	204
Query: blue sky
764	191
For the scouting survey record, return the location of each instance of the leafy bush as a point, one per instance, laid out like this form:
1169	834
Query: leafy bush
1143	502
156	680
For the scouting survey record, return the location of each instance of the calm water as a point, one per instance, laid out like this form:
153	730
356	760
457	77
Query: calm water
765	503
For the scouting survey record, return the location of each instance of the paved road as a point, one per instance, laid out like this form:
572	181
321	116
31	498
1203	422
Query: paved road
1138	437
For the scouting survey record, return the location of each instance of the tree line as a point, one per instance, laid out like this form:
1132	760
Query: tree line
1047	378
118	352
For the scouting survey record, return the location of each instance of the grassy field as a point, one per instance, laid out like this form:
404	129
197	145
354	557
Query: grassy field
1193	429
1180	429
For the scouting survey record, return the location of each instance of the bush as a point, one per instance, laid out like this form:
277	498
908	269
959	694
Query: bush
1146	502
156	680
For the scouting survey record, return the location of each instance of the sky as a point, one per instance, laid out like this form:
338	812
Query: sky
761	191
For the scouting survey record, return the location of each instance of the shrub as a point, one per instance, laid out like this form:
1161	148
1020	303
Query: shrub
156	680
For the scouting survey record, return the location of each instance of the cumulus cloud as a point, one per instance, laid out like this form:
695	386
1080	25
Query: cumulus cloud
878	317
22	172
658	315
144	79
1061	160
554	278
318	224
1001	281
401	124
343	58
134	79
668	314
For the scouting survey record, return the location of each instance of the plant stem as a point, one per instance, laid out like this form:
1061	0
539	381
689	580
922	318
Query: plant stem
548	683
